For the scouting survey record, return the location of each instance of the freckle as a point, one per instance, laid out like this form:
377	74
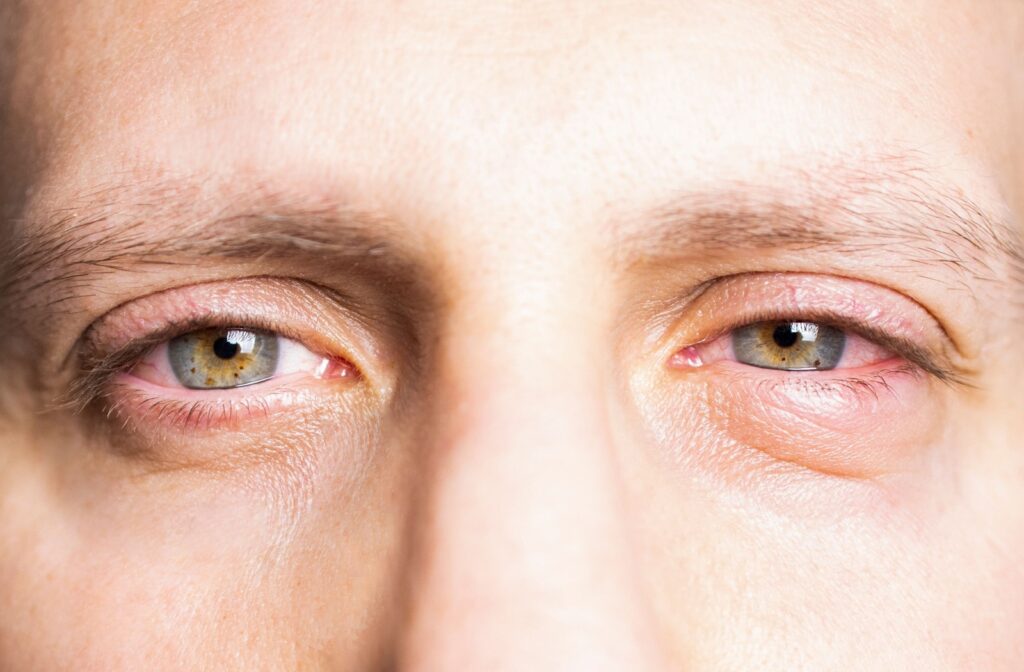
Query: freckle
817	362
193	369
209	382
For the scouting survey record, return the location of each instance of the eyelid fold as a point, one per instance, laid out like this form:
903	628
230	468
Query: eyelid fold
293	309
880	316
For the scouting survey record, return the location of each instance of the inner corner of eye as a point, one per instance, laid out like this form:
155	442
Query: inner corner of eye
688	357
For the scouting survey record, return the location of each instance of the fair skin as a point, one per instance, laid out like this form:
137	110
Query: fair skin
511	246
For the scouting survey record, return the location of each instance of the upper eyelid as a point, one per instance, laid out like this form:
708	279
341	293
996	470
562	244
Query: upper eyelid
906	348
194	306
682	303
941	365
97	367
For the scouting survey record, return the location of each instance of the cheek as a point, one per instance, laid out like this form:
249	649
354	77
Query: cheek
194	568
115	573
858	427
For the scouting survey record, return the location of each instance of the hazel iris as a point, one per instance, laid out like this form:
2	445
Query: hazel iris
789	346
223	358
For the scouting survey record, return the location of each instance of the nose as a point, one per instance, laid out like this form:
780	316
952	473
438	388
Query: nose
524	555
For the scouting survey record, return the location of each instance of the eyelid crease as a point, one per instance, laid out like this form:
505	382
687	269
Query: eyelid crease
680	304
100	353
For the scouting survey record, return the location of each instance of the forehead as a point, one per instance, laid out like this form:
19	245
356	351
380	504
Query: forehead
579	93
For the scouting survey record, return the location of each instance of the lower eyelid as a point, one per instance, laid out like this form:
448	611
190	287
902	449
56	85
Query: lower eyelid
187	394
850	425
147	405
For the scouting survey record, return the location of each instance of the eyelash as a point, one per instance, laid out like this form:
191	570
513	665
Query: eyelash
916	358
98	377
197	414
99	371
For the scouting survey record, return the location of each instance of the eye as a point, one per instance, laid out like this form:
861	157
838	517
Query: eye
233	357
790	346
802	372
787	345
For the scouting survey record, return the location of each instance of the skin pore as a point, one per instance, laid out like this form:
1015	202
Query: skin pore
507	248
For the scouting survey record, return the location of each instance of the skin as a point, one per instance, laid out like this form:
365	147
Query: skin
520	480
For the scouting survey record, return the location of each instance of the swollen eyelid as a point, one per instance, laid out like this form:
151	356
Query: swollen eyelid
786	346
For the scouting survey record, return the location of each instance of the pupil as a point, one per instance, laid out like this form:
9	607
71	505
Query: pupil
224	348
785	336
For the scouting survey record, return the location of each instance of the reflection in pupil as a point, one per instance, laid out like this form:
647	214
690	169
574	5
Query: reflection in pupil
224	348
785	336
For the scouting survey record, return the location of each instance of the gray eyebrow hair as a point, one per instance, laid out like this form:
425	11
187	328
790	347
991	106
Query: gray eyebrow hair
885	205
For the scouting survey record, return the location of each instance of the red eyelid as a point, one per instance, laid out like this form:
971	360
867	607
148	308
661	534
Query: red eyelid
150	405
264	303
178	392
155	370
869	314
858	353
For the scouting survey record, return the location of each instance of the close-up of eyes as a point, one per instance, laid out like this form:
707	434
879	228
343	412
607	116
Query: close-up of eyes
238	366
391	336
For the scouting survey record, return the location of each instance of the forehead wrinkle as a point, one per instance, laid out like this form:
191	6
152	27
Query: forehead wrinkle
889	207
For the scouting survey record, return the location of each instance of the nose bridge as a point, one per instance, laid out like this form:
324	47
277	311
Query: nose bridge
524	553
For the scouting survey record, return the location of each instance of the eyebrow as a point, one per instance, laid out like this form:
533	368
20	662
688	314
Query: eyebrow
112	231
887	206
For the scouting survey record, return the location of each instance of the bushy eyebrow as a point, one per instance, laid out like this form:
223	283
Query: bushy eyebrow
117	229
921	224
886	206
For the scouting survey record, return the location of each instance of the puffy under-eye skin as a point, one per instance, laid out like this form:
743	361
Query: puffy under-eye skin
223	358
876	413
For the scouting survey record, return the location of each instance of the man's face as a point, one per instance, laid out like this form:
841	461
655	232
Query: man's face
512	335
